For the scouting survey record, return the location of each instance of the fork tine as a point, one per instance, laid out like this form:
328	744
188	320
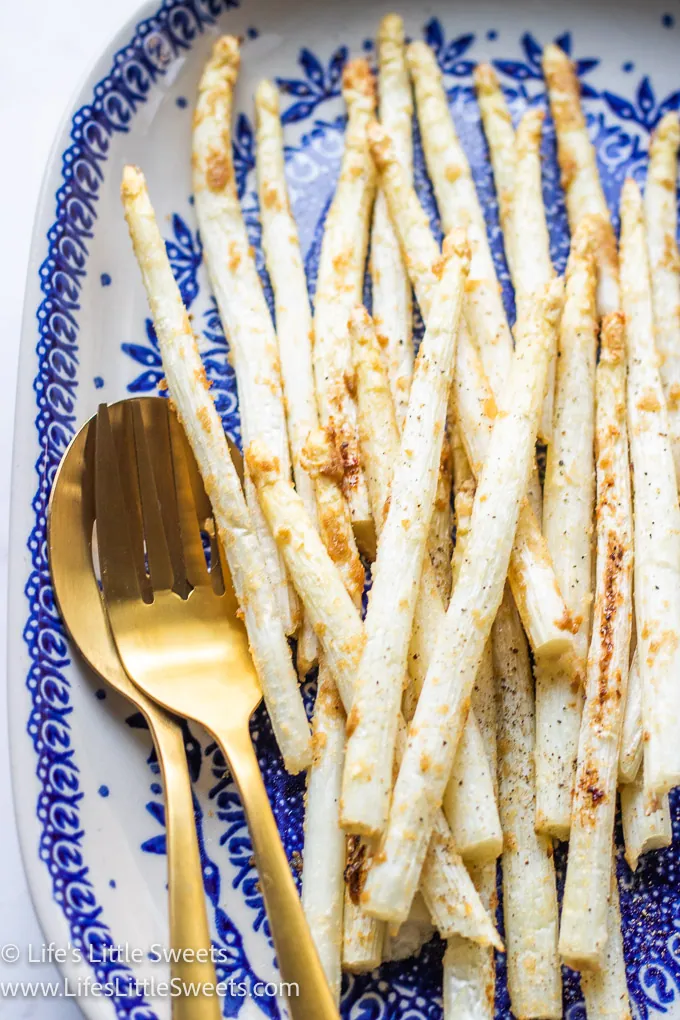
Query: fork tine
157	551
156	418
217	564
207	522
120	417
188	510
120	577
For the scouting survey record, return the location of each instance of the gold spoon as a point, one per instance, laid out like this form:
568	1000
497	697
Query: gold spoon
178	631
70	523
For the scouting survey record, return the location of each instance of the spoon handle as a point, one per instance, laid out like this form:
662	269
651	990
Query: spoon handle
189	932
309	997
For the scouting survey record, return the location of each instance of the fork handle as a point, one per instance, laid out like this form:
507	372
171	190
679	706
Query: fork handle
298	960
188	918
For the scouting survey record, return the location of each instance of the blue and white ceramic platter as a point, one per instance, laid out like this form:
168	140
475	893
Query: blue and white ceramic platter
88	794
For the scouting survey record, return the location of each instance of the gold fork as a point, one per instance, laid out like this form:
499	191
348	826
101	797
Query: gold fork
177	629
69	535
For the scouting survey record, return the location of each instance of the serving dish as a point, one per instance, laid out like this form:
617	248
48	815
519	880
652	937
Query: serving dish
87	793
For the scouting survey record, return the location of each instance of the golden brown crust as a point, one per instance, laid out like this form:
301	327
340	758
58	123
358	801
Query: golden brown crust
612	339
380	144
357	80
262	464
528	137
486	79
132	184
560	75
322	456
355	868
456	243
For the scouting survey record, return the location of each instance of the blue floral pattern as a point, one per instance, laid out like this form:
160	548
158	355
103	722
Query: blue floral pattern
619	126
644	109
317	84
449	54
114	103
529	69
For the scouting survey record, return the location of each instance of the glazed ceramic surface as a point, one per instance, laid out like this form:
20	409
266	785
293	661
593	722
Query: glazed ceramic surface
88	793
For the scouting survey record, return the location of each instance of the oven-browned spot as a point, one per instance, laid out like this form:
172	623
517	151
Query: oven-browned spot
234	257
590	795
670	259
355	868
611	603
296	861
569	622
353	720
217	171
271	198
673	397
201	377
649	402
203	416
565	101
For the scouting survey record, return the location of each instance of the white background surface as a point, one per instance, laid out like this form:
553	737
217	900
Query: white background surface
45	50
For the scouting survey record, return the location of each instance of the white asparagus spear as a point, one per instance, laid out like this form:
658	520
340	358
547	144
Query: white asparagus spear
630	753
339	287
605	989
379	441
531	244
362	936
657	515
392	309
439	542
453	900
568	504
238	291
543	610
500	138
474	818
475	824
323	884
661	214
580	178
444	701
529	888
190	392
470	804
319	578
584	928
323	461
440	537
391	287
446	886
293	315
379	435
646	823
549	624
371	727
459	206
469	969
516	732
